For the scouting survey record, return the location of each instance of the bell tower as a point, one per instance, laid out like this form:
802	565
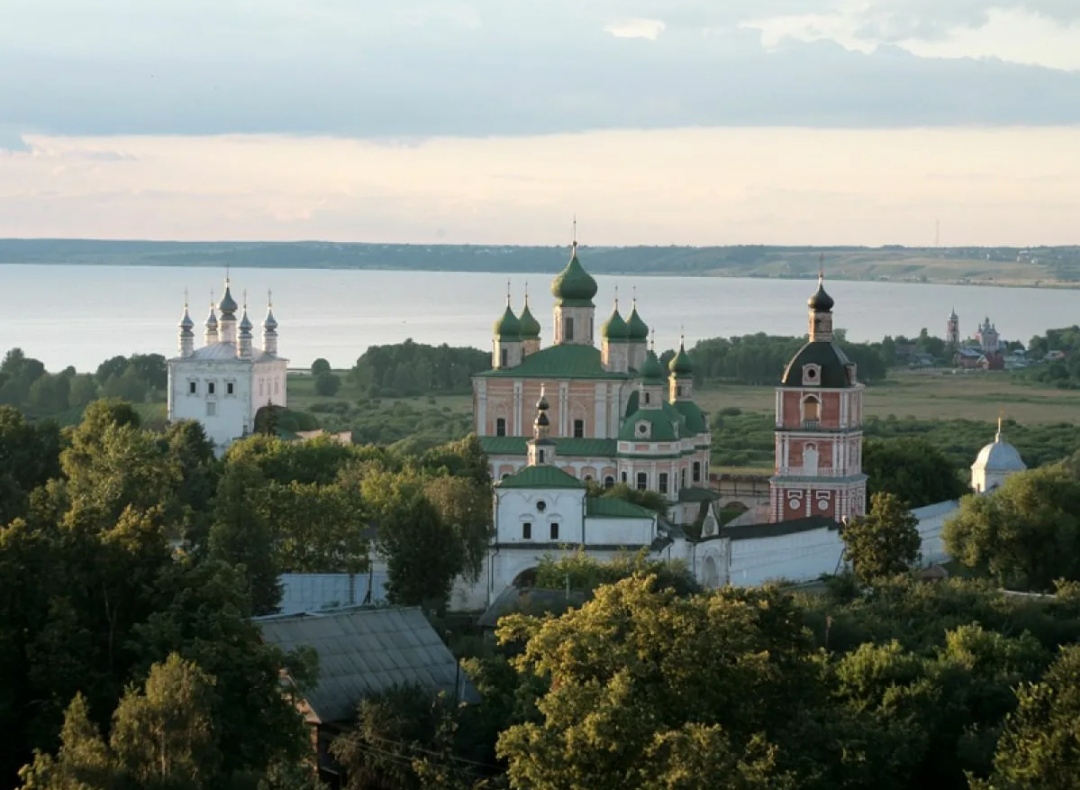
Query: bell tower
818	435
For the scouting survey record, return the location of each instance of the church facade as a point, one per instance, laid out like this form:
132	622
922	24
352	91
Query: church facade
223	384
616	415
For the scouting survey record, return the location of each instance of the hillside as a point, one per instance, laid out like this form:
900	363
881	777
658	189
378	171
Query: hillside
1046	266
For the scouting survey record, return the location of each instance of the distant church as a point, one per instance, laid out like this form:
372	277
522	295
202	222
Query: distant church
225	383
616	415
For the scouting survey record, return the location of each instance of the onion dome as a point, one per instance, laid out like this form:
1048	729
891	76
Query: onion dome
542	420
680	364
186	324
508	327
820	302
228	305
530	327
211	320
615	329
638	329
574	286
245	323
652	372
270	324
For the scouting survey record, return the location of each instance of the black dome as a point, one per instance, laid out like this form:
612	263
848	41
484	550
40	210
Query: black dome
820	302
832	361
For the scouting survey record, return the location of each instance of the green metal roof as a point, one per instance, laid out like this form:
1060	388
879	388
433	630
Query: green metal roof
508	327
540	477
668	425
694	494
572	448
530	327
612	507
652	372
558	362
639	330
694	416
574	286
615	328
825	354
680	364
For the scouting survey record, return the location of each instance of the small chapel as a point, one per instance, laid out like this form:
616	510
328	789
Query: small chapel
616	415
225	382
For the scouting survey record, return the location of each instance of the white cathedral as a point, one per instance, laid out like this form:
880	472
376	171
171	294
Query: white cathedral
225	383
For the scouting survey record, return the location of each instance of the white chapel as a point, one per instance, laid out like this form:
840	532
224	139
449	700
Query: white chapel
225	383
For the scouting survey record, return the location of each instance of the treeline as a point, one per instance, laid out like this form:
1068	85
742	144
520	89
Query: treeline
761	359
1062	373
26	385
132	561
406	369
645	681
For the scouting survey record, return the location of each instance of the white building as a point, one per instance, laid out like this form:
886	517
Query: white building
225	383
995	462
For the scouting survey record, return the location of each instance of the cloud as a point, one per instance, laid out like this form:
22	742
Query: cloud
420	68
637	28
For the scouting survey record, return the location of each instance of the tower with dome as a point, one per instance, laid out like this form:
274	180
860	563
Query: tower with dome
225	382
616	415
995	462
818	436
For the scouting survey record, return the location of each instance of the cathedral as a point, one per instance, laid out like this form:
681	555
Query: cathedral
224	383
616	415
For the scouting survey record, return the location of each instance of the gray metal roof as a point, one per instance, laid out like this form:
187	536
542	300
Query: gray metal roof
363	652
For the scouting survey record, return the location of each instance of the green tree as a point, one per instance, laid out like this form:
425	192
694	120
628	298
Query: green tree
163	736
83	391
83	761
885	541
327	384
1040	745
1026	533
911	469
320	366
583	572
29	455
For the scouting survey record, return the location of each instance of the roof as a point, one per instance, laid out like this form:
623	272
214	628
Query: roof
575	448
612	507
615	328
820	302
507	327
668	425
693	494
541	476
639	331
776	529
574	286
696	421
651	371
568	361
363	652
936	509
532	600
999	456
829	357
681	364
530	327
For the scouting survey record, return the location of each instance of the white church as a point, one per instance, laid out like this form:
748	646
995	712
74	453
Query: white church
224	383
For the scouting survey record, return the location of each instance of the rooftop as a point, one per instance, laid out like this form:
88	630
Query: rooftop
568	447
542	476
556	363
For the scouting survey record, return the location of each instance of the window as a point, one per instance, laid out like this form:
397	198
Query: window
588	478
568	329
230	388
504	358
697	471
624	478
211	388
192	387
663	482
554	531
682	478
579	429
609	482
811	410
678	390
642	429
811	374
541	506
642	481
500	426
211	409
541	458
647	398
526	531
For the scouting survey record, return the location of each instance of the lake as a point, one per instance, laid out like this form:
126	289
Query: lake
81	315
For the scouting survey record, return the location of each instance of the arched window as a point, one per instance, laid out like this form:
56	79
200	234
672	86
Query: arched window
541	459
811	409
568	329
697	471
609	482
663	482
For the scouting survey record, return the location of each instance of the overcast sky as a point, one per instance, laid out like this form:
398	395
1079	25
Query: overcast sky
656	121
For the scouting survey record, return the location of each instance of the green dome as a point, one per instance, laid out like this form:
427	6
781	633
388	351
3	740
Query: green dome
639	331
652	372
615	328
530	327
574	286
680	364
508	327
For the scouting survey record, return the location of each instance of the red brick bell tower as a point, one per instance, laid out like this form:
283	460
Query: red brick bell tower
818	428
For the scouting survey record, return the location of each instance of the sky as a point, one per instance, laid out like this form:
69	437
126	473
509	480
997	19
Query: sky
496	121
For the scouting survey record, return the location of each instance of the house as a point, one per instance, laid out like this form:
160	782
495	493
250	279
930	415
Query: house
362	652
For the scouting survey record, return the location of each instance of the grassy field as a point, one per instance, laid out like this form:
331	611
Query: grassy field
930	395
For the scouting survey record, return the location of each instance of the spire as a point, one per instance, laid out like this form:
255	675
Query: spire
1001	416
541	449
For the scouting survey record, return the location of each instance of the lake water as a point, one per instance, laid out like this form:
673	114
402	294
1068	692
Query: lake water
80	315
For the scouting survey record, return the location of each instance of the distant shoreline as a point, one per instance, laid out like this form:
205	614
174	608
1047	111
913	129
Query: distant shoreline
1055	268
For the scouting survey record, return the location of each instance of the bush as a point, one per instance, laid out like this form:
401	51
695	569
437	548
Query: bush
327	384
